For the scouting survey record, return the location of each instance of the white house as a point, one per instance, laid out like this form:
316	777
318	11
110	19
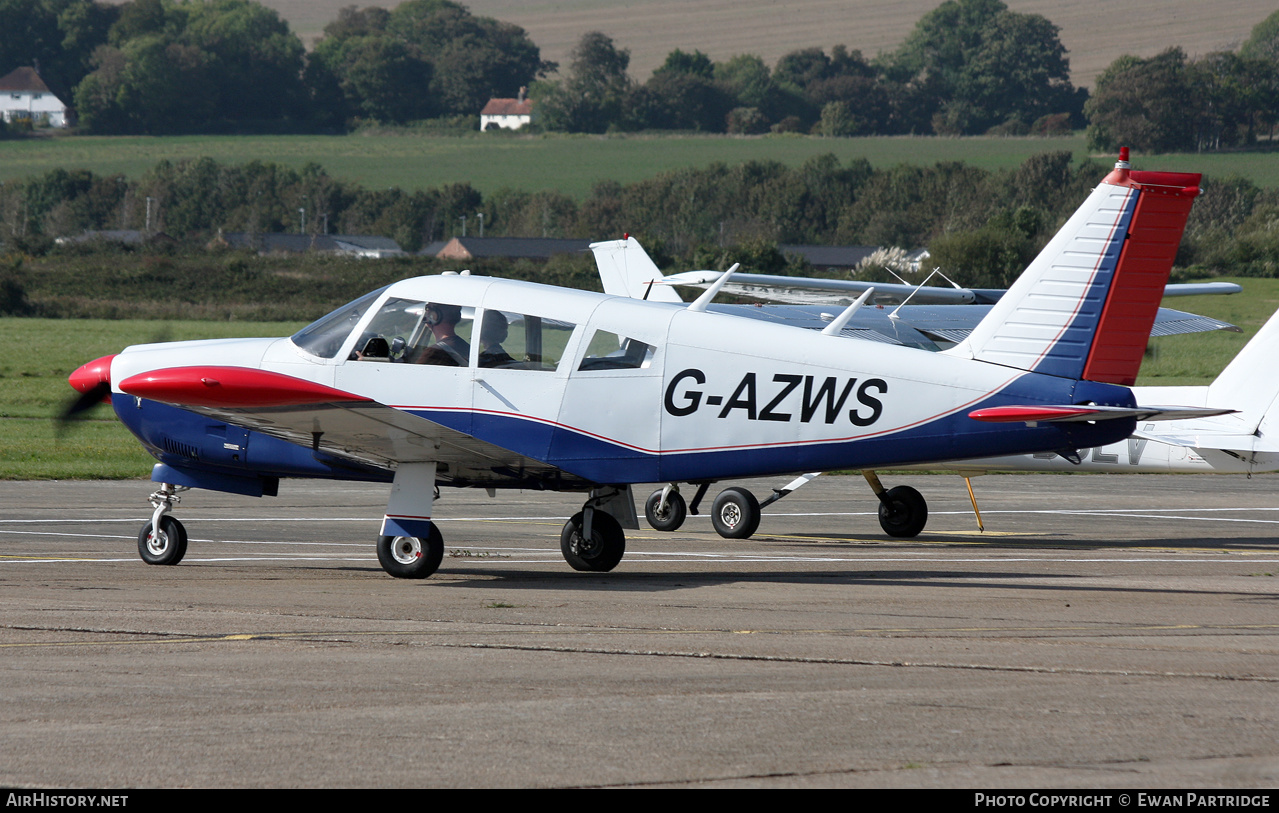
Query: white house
25	96
506	114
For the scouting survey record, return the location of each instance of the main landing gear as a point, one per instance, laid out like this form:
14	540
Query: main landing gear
593	539
735	514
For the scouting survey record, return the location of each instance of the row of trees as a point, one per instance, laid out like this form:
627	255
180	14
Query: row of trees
969	66
1170	103
982	227
155	66
163	66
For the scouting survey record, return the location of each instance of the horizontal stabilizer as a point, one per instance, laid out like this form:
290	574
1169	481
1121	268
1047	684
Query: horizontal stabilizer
1235	443
1037	414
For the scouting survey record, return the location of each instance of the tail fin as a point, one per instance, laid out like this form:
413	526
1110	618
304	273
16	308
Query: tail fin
1249	384
626	270
1085	306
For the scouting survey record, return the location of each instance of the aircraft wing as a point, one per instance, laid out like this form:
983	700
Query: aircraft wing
334	423
932	326
812	290
815	290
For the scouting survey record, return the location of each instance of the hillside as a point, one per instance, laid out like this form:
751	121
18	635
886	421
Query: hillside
1094	32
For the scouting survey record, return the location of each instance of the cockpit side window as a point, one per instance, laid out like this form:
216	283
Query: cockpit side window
417	332
521	341
324	336
609	351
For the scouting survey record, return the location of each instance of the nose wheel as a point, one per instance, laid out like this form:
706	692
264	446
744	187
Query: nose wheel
665	509
163	540
166	546
903	511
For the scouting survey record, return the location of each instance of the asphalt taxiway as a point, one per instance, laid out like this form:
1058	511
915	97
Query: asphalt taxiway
1103	632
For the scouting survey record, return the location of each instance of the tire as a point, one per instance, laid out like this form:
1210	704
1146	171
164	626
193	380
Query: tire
670	519
165	548
604	549
905	514
735	513
411	557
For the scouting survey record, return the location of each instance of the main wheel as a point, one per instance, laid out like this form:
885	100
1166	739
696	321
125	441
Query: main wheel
735	513
670	518
411	557
166	547
905	514
601	552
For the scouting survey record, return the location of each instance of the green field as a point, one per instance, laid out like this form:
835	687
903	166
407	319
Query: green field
569	164
33	386
34	390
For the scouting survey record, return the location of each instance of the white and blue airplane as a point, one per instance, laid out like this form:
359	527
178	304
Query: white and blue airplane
462	380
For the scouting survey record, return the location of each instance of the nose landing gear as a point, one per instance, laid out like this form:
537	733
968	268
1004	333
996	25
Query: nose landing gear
163	540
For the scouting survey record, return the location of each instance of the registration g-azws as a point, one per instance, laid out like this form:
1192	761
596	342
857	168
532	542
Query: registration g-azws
786	397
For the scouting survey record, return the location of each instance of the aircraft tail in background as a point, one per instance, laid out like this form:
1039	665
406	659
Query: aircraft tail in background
626	270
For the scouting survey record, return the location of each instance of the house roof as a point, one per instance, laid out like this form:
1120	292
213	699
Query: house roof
508	107
300	243
469	248
23	79
125	236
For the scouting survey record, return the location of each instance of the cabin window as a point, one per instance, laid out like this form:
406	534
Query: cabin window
609	351
521	341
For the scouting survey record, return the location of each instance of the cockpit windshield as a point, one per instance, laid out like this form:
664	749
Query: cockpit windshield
324	337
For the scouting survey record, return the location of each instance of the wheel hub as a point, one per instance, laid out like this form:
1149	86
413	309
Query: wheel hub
730	515
406	549
157	543
584	547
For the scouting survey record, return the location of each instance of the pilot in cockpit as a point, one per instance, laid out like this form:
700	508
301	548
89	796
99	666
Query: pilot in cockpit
448	349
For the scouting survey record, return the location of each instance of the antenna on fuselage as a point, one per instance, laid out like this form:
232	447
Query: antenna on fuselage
704	300
838	323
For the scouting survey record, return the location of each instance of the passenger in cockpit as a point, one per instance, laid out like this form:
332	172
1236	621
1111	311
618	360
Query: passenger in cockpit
493	332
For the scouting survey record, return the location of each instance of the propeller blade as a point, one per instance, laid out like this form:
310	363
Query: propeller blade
83	403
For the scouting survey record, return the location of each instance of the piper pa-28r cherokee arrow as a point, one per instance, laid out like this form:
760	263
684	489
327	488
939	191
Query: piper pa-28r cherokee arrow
469	381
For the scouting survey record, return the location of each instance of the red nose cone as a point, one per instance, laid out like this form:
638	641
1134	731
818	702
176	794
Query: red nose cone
90	375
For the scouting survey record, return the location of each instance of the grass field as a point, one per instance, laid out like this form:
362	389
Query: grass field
569	164
34	390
